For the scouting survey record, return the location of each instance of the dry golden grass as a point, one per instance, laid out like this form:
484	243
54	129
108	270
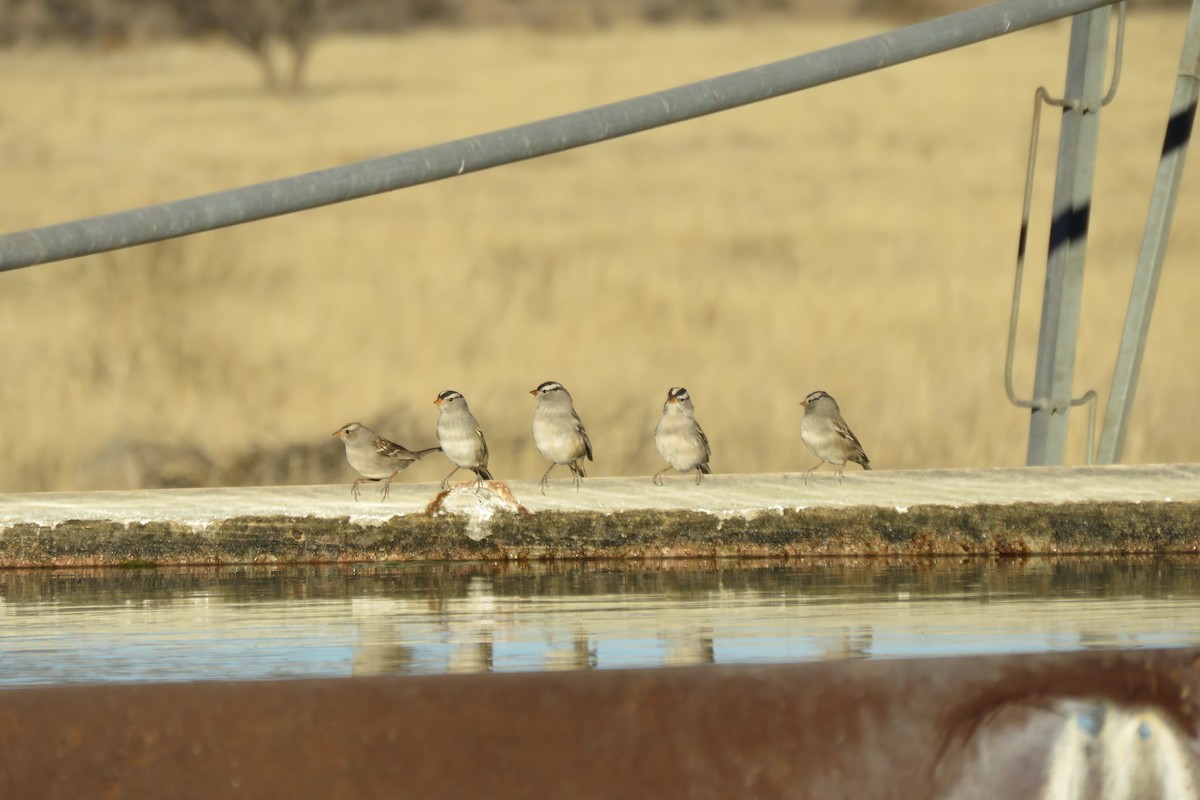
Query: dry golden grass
857	238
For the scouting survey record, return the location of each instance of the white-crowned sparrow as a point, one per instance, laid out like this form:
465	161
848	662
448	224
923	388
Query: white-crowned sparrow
558	432
376	458
461	437
679	438
828	436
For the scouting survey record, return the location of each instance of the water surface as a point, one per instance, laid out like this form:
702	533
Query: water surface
217	623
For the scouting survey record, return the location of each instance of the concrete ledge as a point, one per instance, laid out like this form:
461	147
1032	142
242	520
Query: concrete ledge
1061	510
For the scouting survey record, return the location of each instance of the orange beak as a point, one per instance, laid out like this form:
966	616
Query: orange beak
533	392
672	399
437	401
337	433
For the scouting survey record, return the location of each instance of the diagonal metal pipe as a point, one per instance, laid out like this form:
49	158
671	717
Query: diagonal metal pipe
424	165
1180	121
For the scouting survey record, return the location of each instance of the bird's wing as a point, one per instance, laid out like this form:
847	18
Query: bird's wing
843	430
390	449
482	443
587	442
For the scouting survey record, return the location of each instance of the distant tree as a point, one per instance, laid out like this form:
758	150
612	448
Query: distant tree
261	27
42	20
92	23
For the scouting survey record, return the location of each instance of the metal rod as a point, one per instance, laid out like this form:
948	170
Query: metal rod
1040	96
298	193
1068	238
1154	244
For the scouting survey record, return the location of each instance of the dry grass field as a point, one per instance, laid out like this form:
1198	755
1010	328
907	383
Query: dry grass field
857	238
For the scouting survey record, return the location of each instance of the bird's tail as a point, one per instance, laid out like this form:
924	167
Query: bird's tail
483	473
427	451
705	468
861	458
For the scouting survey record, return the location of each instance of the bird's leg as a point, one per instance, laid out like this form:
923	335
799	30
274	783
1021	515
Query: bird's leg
699	475
387	486
446	480
357	483
478	482
658	481
545	481
578	473
840	472
808	474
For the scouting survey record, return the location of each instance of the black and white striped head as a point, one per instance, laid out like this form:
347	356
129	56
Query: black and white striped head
550	388
819	401
449	399
678	394
679	397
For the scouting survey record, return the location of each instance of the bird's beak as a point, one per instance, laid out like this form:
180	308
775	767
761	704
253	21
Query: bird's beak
437	401
672	399
337	433
533	392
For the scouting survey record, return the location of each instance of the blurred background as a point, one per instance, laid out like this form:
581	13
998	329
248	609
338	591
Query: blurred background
858	238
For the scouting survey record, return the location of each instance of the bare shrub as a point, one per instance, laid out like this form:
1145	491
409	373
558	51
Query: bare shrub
96	23
261	28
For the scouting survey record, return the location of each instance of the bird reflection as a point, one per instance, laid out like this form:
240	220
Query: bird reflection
688	646
473	656
580	654
855	642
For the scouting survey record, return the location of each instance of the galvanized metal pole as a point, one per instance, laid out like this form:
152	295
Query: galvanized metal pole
446	160
1154	245
1068	238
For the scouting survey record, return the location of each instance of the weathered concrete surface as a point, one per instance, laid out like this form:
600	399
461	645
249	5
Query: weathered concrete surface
1104	724
936	512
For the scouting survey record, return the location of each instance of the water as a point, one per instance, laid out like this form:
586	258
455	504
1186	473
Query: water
130	625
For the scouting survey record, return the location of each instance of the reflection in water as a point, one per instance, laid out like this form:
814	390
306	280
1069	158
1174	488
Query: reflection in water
368	619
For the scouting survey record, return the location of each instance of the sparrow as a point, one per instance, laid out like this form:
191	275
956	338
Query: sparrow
558	431
376	458
461	437
679	438
828	436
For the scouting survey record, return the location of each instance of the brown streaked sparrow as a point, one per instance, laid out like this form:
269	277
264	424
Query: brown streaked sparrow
679	438
828	436
376	458
461	437
558	432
